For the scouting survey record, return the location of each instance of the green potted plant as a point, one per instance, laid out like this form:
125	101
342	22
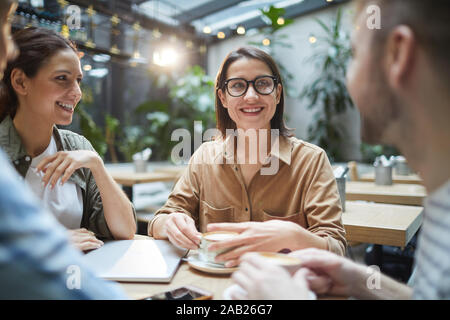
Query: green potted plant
272	39
327	94
370	152
99	137
149	130
190	97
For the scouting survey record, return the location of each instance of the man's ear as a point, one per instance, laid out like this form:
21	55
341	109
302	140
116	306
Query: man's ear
400	55
222	98
19	81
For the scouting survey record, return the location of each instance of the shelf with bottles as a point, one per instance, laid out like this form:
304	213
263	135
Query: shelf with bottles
29	16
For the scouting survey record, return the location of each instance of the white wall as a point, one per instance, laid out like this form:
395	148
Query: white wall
294	59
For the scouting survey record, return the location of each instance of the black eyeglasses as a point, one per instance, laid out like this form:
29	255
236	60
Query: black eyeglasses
264	85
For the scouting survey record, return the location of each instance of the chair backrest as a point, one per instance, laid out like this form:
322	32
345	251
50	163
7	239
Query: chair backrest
353	171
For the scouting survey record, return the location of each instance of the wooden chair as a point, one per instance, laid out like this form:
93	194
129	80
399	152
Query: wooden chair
353	171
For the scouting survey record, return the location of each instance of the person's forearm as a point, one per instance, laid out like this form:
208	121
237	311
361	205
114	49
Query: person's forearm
371	284
306	239
116	205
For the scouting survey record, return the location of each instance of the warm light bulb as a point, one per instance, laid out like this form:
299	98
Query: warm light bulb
266	42
207	30
156	34
164	58
312	39
280	21
240	30
136	55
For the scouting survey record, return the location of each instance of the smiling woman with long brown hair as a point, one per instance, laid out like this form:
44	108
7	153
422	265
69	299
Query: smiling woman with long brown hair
41	89
291	204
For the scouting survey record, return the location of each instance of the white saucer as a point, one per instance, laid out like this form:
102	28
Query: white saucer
195	263
226	295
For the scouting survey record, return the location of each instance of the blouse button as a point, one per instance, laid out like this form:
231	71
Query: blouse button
27	158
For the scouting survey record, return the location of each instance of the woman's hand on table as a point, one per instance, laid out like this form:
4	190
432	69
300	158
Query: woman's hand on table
181	231
84	239
272	235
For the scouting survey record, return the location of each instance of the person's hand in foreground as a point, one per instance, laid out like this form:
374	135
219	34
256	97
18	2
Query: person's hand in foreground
332	274
335	275
261	280
273	236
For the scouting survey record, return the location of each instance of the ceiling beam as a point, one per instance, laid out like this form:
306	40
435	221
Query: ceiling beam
205	10
126	14
293	11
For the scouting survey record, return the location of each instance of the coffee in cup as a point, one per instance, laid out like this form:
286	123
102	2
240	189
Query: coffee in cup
291	264
209	238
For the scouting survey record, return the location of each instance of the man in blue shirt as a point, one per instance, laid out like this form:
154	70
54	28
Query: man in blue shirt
36	259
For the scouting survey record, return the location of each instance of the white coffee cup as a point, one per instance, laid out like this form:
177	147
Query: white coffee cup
209	238
291	264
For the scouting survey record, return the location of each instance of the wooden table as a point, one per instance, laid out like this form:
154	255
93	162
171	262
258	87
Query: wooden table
380	224
175	170
125	174
383	224
404	194
405	179
184	276
129	179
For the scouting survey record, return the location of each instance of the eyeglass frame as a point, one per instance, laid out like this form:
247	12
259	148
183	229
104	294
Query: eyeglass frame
275	82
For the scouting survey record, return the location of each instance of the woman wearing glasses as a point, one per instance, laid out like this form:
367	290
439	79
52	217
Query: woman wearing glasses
256	179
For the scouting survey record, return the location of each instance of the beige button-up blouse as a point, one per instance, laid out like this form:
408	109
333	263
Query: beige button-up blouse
303	190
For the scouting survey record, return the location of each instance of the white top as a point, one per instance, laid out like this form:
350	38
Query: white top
432	272
64	202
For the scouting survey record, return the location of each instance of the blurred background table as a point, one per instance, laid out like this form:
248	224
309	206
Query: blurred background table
396	178
403	194
384	224
125	174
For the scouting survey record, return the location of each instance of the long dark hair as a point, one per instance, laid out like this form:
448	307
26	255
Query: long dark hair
36	46
222	117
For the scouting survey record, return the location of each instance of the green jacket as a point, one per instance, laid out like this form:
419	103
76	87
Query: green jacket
93	217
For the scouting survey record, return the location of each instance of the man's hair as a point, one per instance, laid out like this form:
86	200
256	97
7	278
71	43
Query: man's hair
429	20
5	5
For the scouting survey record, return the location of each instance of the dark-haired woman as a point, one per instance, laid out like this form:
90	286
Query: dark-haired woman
284	198
41	89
